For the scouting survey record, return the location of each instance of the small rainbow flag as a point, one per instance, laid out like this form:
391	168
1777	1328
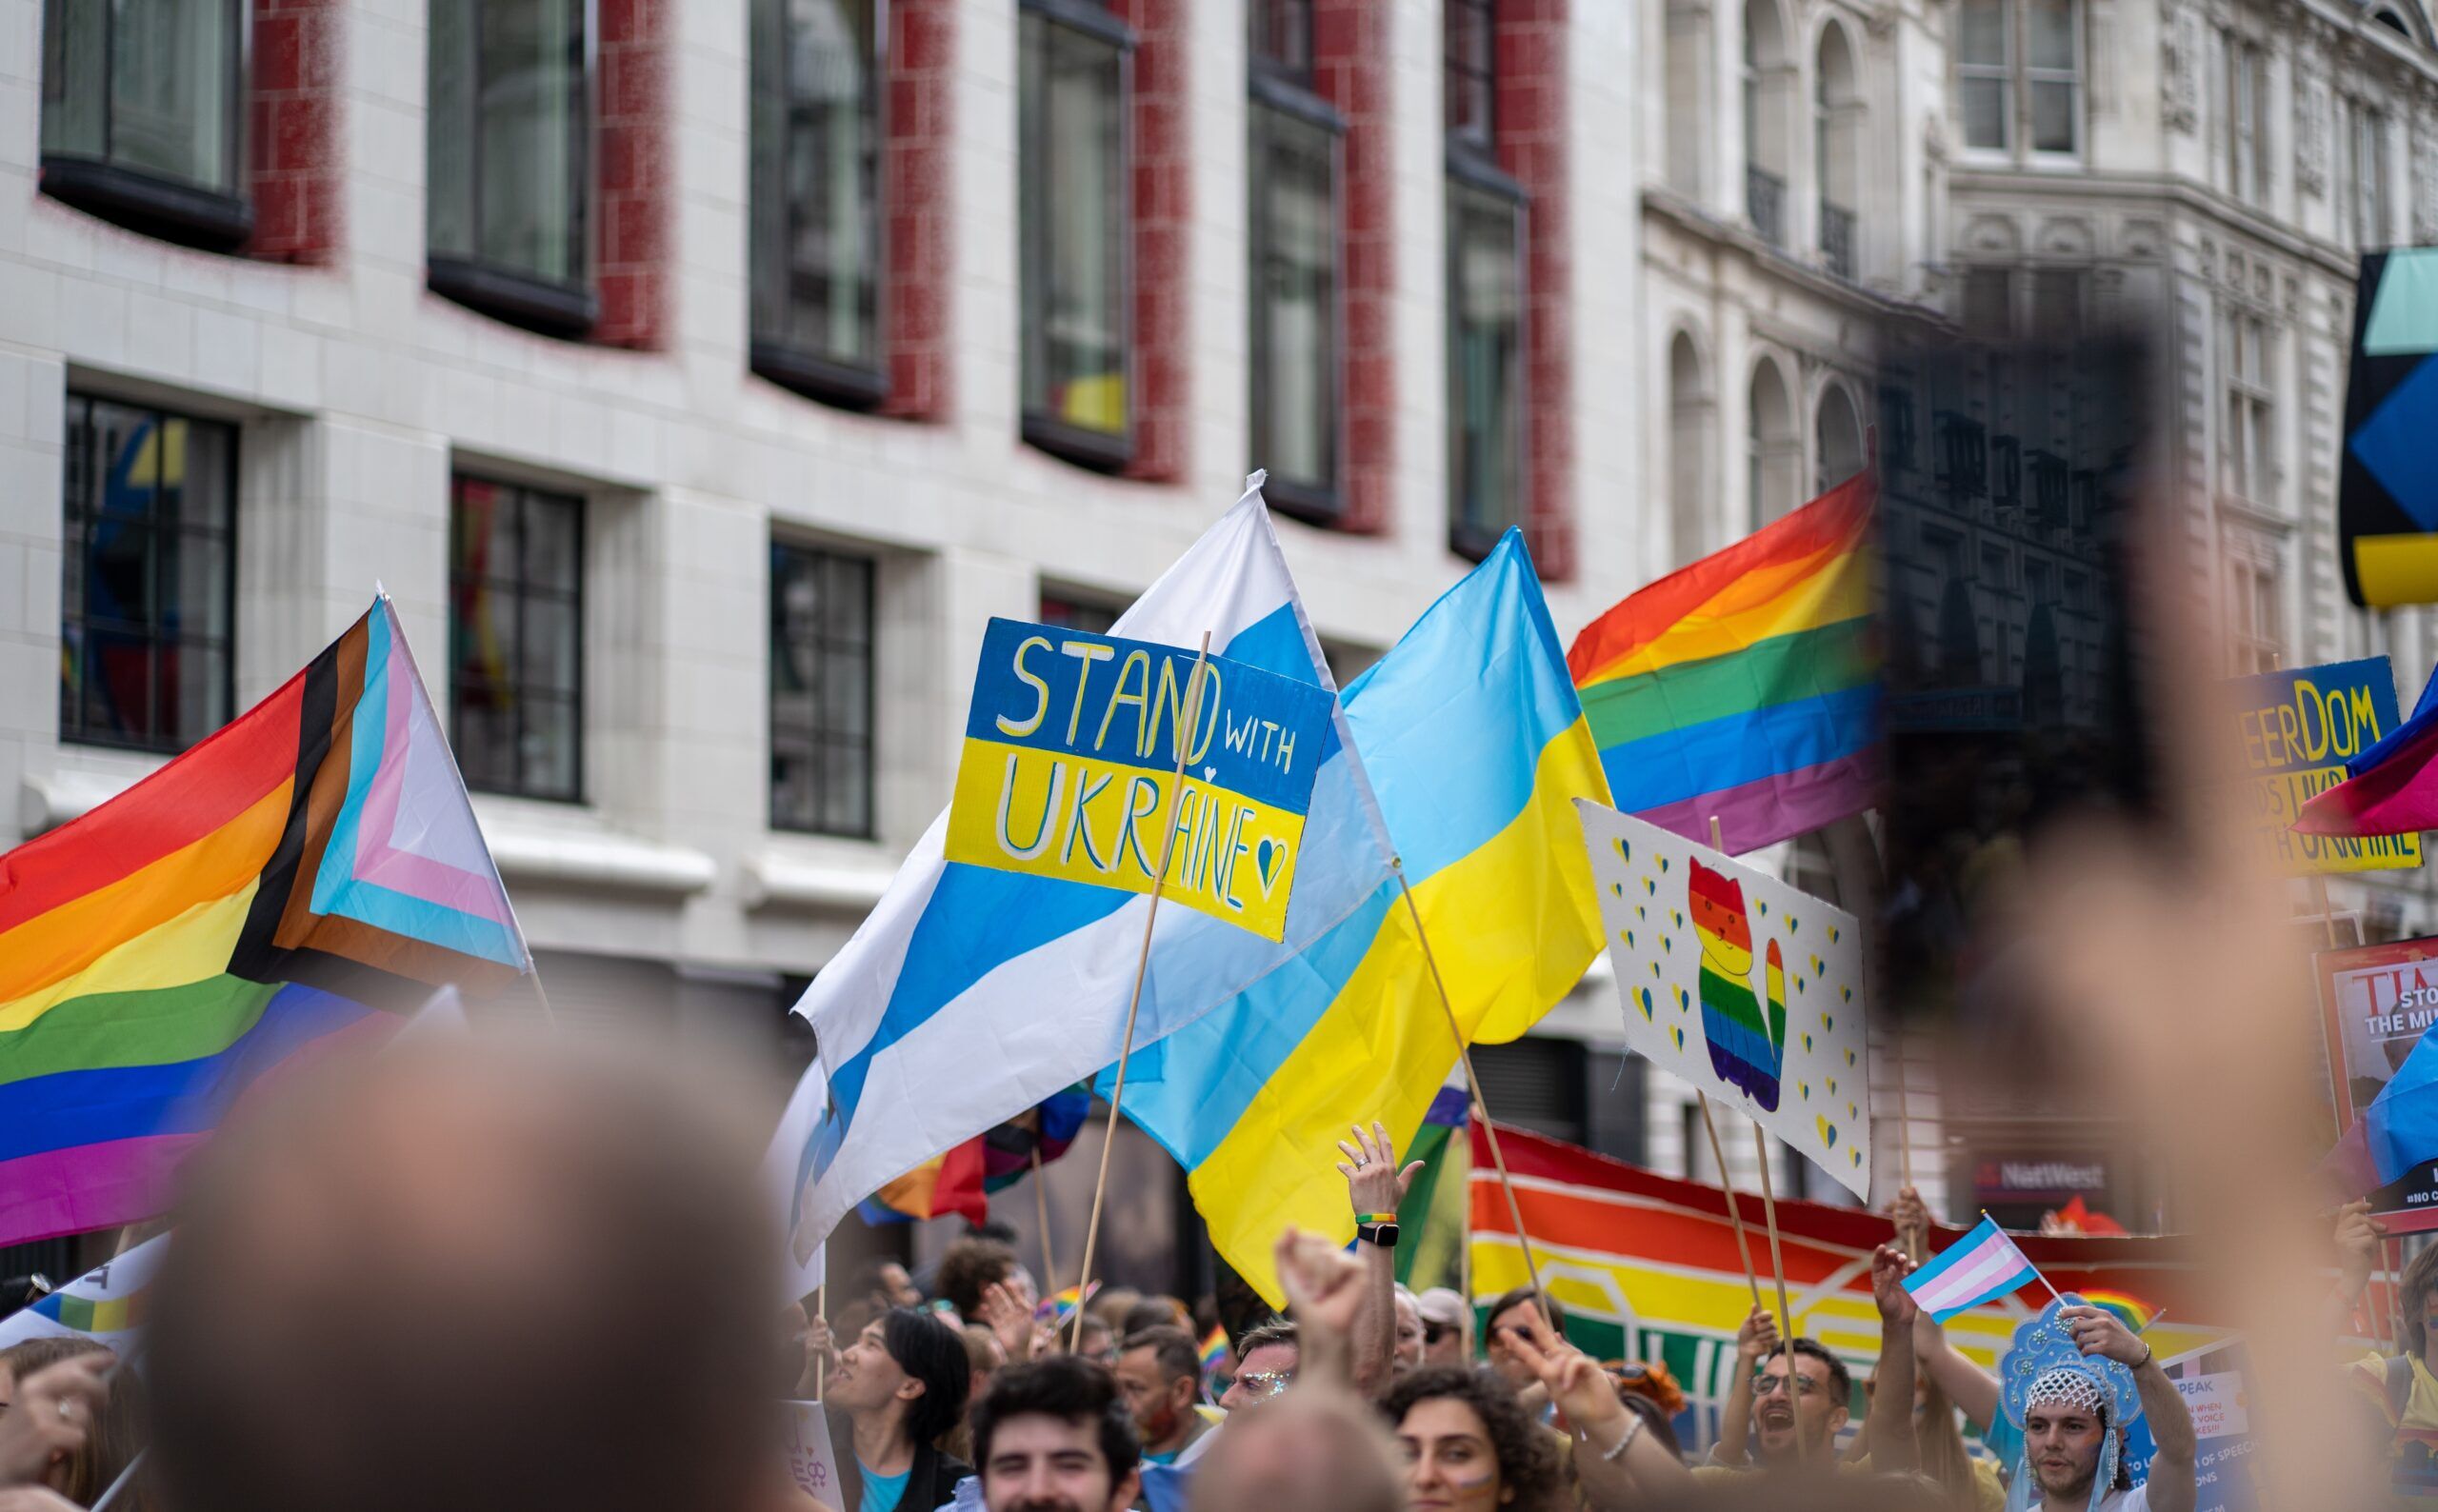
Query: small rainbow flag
1745	687
106	1304
251	904
2130	1310
1214	1347
1059	1306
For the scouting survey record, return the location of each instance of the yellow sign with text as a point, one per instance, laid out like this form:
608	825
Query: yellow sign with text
1069	770
2297	731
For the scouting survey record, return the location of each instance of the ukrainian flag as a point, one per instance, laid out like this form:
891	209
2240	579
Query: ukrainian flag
1476	745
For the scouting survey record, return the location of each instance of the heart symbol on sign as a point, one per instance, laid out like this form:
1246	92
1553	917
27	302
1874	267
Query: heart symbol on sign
1210	774
1269	859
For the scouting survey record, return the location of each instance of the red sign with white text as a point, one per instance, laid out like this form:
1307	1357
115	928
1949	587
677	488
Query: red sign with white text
2375	1002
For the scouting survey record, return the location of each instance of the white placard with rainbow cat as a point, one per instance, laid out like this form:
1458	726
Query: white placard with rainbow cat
1740	985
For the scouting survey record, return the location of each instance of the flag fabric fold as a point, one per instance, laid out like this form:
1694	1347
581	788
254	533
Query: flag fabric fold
308	873
2390	789
1476	748
1745	687
1983	1265
960	966
105	1304
2398	1132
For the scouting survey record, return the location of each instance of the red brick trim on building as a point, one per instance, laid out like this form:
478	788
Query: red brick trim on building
1532	143
293	161
916	177
1351	69
1161	143
634	188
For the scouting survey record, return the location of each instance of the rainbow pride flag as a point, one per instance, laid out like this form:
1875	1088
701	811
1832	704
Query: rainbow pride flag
298	879
1214	1347
961	1179
1746	685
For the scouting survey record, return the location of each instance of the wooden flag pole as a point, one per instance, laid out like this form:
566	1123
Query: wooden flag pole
1190	720
1778	1270
1041	1215
1472	1084
820	1358
1735	1208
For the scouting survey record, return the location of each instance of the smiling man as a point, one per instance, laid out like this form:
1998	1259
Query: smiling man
1054	1436
1795	1399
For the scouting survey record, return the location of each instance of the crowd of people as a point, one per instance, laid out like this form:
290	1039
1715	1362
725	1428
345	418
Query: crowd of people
515	1280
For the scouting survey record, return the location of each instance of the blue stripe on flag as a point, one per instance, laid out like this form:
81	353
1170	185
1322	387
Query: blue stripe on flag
978	919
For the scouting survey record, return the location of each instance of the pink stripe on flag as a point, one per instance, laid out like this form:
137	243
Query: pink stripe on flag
88	1186
1771	808
377	861
1993	1260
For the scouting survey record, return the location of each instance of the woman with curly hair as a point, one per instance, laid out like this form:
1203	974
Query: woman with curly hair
1468	1444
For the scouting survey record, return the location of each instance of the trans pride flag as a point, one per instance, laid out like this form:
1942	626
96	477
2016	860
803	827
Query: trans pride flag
1982	1266
1746	685
264	896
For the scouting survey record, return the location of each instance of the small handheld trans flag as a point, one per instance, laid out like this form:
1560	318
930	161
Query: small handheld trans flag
1983	1265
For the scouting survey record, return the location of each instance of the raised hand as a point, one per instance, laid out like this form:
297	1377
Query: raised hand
1573	1379
1888	1267
2098	1331
1757	1339
1005	1316
2357	1244
1373	1183
1324	1283
1911	1214
51	1417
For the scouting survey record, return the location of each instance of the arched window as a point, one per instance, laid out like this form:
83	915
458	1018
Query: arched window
1767	80
1836	145
1773	449
1837	440
1690	412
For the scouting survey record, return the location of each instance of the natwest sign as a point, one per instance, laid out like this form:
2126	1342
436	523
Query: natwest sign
2003	1178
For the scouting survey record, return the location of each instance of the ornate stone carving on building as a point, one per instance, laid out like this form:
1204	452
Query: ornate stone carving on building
2311	127
2141	240
2180	69
2424	182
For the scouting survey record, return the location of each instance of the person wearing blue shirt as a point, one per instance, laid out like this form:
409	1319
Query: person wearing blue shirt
896	1389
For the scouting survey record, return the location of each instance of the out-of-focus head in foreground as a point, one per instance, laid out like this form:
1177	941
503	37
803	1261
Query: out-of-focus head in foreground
501	1275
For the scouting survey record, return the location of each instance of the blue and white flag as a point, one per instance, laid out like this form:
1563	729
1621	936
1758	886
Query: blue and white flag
1983	1265
105	1304
969	995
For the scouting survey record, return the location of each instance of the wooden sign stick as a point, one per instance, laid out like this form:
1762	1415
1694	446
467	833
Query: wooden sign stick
1778	1270
1735	1208
1189	719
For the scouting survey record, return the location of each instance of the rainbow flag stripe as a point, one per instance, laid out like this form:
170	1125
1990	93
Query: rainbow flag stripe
262	898
1746	685
1214	1347
2131	1310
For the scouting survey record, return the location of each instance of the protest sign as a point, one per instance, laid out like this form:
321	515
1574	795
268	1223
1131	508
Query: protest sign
812	1466
2211	1383
105	1304
1071	749
2375	1002
2296	731
1740	985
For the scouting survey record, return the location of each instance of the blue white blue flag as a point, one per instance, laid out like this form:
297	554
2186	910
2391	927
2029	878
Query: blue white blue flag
969	995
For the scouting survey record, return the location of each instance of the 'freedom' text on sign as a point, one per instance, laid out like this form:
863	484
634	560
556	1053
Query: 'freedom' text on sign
2297	731
1070	748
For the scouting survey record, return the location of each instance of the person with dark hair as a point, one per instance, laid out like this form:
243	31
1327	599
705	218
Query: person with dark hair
1159	1372
1470	1445
1098	1342
1054	1436
1507	1323
1266	1358
898	1389
1800	1396
971	1266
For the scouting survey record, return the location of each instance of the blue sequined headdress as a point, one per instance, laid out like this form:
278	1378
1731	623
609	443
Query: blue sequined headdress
2045	1368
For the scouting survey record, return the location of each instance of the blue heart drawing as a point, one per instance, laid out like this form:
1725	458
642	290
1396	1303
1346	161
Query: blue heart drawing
1269	859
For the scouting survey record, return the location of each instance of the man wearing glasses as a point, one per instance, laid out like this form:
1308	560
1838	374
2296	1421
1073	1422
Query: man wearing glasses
1446	1328
1793	1404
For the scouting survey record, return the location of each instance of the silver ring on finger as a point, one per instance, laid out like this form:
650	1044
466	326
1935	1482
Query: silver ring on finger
67	1410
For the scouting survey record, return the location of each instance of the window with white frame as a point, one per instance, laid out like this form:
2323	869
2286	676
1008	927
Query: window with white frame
2367	158
2255	634
2019	76
2243	449
2247	102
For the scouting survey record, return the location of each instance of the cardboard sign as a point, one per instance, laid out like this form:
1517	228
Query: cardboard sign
1739	985
1070	750
812	1467
2296	730
2375	1002
2211	1383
